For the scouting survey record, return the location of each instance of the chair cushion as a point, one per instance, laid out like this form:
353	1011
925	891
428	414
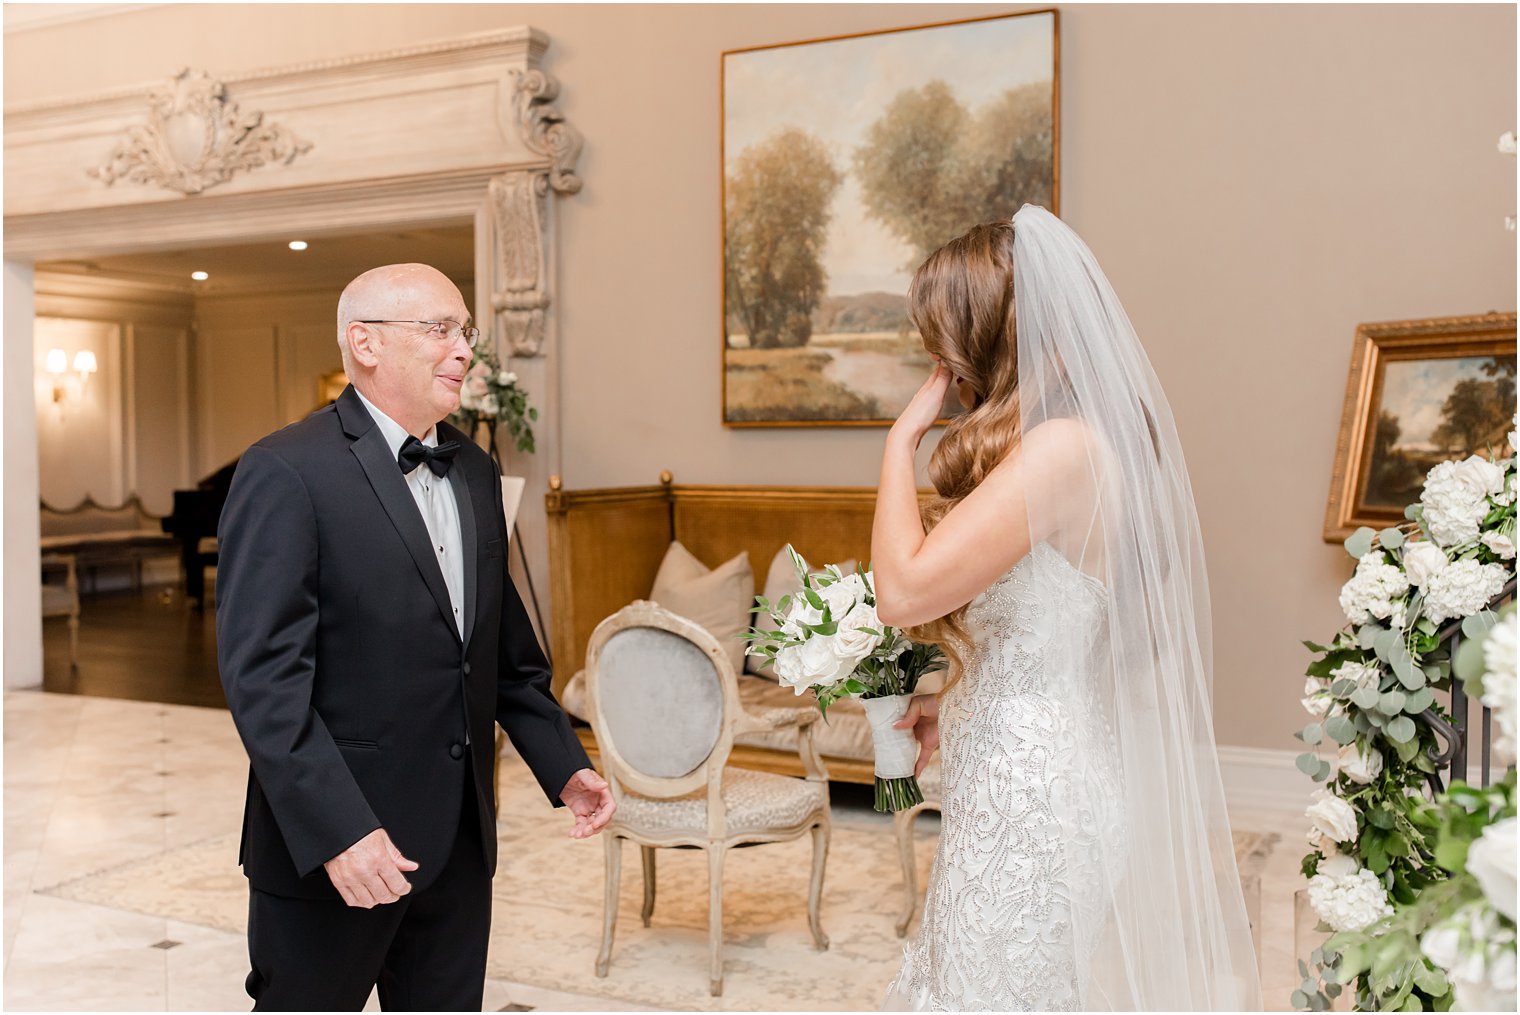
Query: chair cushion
757	802
719	599
845	734
780	580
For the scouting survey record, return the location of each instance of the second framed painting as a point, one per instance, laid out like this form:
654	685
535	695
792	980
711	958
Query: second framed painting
846	162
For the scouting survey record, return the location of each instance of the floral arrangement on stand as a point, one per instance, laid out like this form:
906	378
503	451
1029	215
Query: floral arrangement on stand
494	396
1403	881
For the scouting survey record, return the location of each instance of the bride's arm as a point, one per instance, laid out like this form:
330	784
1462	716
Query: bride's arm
920	578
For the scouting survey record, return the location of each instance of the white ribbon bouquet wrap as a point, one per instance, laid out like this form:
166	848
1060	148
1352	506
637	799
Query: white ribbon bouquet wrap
830	641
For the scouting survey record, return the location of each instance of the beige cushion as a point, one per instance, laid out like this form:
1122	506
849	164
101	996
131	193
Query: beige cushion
755	802
780	580
718	599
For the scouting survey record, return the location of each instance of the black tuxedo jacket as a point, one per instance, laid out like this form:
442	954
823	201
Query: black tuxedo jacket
357	700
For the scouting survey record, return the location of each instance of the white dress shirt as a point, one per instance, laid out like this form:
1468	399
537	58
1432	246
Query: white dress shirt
440	511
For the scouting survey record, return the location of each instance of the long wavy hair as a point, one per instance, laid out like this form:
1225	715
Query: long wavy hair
962	302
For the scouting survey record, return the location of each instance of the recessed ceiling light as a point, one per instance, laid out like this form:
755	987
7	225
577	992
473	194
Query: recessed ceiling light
297	244
199	276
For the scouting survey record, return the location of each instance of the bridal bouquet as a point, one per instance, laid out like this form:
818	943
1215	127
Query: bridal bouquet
829	641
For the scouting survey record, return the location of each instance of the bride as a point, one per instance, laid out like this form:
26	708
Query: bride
1085	860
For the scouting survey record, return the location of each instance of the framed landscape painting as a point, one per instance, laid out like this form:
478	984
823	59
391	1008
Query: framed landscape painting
846	162
1419	393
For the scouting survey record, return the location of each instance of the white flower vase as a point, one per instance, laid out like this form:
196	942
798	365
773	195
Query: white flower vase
896	753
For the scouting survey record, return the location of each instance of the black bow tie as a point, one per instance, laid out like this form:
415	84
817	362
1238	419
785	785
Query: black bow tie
413	453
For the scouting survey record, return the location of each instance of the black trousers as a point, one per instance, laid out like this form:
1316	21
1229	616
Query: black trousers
427	951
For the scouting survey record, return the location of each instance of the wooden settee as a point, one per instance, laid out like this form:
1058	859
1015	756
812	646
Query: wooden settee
95	535
605	547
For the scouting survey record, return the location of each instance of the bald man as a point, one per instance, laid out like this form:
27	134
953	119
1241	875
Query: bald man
369	635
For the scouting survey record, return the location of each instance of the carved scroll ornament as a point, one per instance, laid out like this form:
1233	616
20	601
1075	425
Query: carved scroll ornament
197	138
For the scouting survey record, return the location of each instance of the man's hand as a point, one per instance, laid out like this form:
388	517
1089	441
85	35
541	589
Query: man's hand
369	873
590	799
923	718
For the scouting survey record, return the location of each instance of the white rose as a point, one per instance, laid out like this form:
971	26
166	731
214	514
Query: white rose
1361	674
1499	651
1501	544
811	664
800	612
853	641
1479	475
1372	589
1352	901
1338	864
1477	954
840	597
1316	700
489	405
506	378
1462	589
1359	766
1423	559
1332	817
1507	143
1492	861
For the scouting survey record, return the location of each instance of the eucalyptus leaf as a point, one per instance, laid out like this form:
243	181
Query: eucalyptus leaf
1359	542
1312	733
1479	624
1383	642
1391	538
1400	730
1366	697
1342	688
1307	763
1341	730
1411	676
1418	701
1299	1000
1324	772
1366	634
1391	703
1468	664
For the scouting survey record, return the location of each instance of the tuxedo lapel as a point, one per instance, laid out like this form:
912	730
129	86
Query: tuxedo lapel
469	538
389	484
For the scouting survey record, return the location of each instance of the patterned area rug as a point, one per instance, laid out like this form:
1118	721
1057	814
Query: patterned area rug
548	910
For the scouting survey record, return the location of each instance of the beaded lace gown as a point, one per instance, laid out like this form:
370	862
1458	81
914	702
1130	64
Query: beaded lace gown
1030	788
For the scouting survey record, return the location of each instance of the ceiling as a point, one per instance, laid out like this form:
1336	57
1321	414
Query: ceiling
274	267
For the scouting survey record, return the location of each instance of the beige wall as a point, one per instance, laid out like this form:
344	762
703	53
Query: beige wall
1256	180
23	558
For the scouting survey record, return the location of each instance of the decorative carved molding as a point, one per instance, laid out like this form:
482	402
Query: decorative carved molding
196	138
520	293
544	129
519	202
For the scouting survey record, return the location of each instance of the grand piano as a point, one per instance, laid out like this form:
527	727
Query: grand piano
193	522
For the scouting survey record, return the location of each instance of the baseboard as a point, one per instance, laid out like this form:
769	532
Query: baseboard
1263	779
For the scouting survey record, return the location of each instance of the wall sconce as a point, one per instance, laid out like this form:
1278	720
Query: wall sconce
57	365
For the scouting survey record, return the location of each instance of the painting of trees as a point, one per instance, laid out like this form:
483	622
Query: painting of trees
846	161
929	169
776	211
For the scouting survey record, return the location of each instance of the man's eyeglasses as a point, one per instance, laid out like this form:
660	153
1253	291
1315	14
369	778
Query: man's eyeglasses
448	331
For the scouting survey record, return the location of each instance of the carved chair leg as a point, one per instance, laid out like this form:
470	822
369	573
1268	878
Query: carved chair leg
613	846
648	852
715	917
815	886
902	827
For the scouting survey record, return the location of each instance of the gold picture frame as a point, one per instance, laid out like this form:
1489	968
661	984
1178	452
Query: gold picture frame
1404	411
804	128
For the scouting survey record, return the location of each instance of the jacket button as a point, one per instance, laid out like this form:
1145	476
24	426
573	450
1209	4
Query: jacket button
456	751
467	669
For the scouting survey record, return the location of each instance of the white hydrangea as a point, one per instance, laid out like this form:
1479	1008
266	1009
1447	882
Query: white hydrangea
1348	901
1477	952
1372	590
1499	684
1462	589
1455	498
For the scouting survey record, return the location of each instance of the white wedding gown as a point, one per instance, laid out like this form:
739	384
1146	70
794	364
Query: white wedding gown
1031	816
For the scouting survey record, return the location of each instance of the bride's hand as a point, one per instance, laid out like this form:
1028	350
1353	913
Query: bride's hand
925	407
923	718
